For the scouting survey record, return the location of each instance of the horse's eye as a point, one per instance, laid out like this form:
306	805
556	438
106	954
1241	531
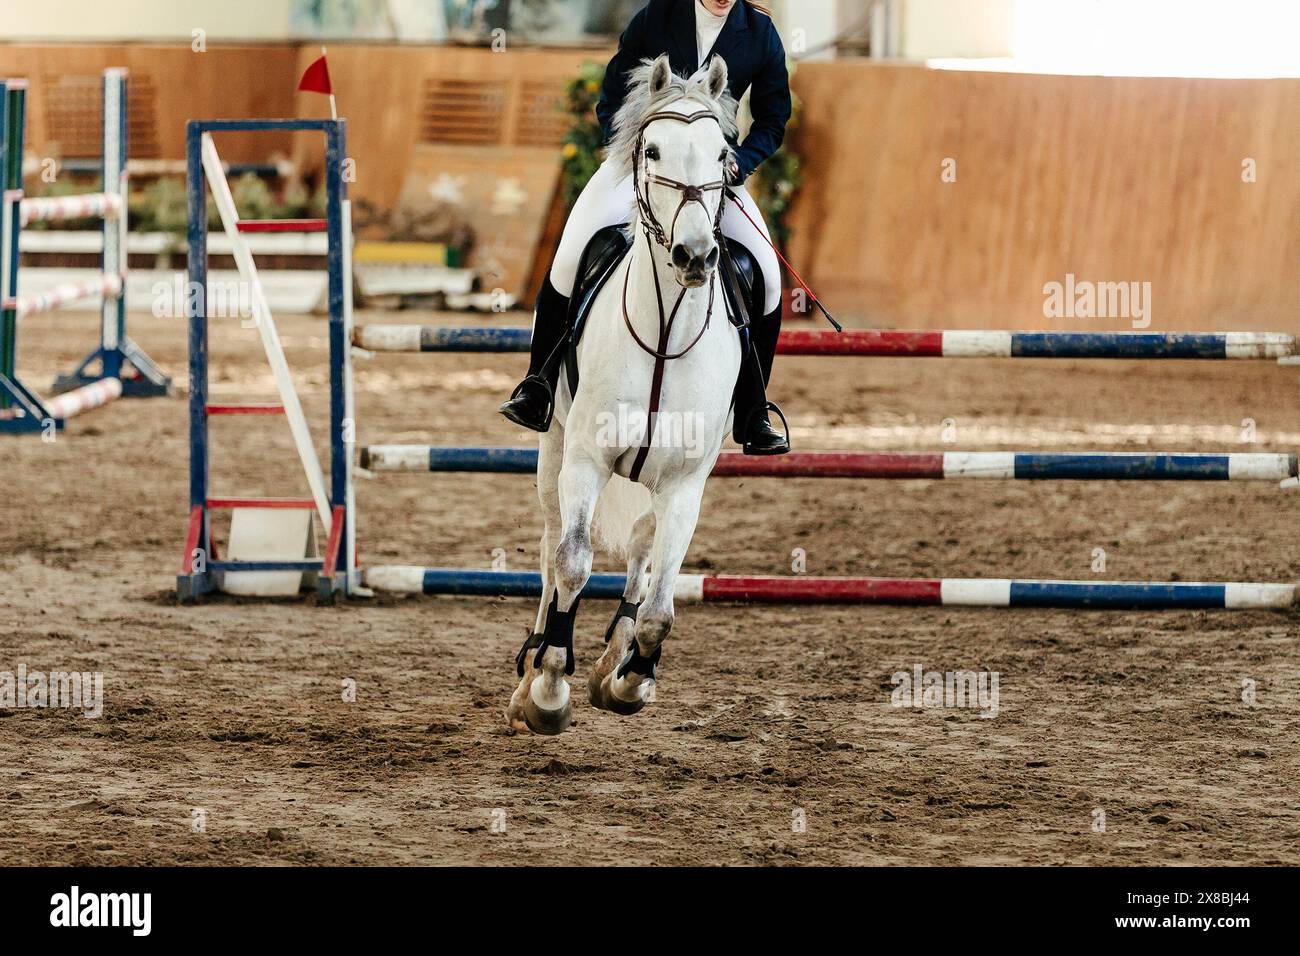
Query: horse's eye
652	152
723	157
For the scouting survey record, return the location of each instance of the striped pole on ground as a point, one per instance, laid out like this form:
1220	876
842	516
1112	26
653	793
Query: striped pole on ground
1087	466
83	399
967	592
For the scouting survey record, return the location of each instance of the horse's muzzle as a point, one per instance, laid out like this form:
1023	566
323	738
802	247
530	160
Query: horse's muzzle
694	265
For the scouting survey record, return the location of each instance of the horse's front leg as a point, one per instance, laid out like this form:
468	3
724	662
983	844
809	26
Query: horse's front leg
546	707
618	636
549	459
677	508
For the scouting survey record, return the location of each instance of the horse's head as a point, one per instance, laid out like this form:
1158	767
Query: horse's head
672	133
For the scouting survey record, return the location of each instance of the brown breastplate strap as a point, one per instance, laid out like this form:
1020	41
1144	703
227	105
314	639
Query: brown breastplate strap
661	354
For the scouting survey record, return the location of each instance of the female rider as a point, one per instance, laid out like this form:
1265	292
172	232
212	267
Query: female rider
690	32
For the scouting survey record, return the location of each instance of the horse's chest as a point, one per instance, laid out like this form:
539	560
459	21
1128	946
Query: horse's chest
623	373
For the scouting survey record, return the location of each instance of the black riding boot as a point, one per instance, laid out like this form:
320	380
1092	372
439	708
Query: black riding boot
533	401
752	430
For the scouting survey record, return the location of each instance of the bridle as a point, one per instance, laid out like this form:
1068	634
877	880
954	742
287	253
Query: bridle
654	230
690	193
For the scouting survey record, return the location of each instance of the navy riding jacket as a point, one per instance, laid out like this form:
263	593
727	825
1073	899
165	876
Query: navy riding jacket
748	43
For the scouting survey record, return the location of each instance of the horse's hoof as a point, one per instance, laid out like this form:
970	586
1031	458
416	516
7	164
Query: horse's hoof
548	723
604	698
548	716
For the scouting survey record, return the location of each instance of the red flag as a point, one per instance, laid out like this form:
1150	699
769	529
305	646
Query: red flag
317	78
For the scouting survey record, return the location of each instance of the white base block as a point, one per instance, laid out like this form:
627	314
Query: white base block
270	534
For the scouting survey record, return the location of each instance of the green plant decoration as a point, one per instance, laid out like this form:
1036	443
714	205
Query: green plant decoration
582	144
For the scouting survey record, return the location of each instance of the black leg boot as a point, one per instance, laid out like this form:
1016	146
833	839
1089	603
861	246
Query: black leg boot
752	430
532	403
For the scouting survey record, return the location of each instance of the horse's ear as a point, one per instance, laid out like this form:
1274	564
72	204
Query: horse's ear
660	74
717	79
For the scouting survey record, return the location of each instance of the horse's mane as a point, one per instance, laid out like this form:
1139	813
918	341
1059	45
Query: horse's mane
641	102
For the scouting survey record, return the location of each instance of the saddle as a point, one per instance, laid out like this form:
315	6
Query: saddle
742	286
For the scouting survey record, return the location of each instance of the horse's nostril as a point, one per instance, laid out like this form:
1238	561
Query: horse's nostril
711	259
681	257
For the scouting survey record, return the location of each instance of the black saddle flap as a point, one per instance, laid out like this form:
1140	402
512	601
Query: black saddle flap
750	279
603	253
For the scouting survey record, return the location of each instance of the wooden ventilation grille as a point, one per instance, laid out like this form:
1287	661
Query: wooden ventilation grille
462	111
540	121
142	117
74	117
72	114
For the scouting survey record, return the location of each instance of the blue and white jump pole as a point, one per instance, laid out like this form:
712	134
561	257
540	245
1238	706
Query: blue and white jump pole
970	592
892	343
986	465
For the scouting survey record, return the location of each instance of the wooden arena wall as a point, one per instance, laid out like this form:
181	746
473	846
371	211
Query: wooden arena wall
393	97
168	85
1111	179
1108	179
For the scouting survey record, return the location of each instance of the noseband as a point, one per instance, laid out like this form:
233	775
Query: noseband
690	193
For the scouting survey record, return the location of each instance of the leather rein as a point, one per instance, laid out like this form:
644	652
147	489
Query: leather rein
654	230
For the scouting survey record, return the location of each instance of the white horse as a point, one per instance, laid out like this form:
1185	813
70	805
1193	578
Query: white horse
657	333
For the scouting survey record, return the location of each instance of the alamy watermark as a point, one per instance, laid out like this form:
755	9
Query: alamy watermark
973	690
133	911
1085	299
66	690
626	428
224	299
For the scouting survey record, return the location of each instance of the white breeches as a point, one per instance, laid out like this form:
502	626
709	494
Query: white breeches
608	201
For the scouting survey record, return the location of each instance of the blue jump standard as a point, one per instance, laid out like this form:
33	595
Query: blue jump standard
116	357
192	583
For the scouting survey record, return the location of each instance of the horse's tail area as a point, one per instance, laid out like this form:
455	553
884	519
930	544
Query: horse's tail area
620	504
